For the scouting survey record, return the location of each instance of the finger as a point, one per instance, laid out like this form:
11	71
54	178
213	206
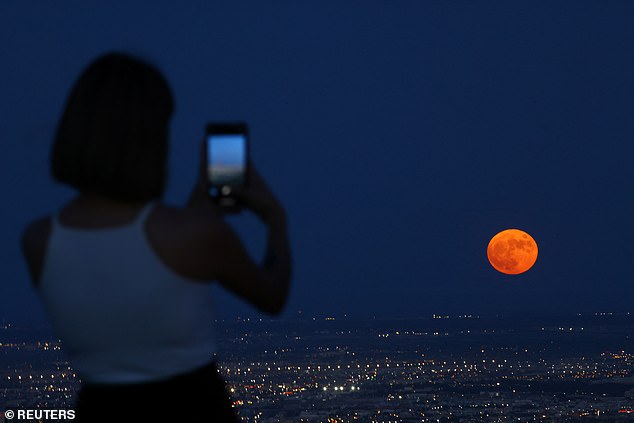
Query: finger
202	165
239	192
232	209
254	175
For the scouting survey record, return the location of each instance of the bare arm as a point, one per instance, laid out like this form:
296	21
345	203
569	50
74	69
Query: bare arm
264	285
275	271
277	262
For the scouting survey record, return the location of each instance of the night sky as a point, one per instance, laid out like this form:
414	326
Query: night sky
400	135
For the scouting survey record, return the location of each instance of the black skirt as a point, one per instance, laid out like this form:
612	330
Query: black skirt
197	396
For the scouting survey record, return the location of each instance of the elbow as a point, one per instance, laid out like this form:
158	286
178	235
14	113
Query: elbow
274	307
273	311
276	304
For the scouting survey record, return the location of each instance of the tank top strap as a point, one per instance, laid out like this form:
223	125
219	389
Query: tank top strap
55	219
143	214
55	223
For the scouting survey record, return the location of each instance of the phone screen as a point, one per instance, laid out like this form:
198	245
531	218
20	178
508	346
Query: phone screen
226	162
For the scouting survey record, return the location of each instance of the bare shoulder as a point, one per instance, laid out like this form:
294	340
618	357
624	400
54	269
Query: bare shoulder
33	243
186	239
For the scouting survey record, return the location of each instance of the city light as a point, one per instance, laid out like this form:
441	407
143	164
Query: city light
403	379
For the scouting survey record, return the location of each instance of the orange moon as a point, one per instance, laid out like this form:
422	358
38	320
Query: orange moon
512	251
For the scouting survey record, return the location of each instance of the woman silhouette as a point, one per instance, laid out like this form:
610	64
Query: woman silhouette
123	277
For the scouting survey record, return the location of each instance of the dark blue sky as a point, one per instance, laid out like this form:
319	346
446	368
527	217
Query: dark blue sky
401	135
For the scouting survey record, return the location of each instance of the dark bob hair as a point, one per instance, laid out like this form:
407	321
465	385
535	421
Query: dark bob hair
112	139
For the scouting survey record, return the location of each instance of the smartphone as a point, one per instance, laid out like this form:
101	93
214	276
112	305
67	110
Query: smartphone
227	159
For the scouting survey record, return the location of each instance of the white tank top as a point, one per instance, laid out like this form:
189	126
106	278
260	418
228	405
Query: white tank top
122	315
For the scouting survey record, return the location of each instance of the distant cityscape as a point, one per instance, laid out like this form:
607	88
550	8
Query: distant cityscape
441	368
